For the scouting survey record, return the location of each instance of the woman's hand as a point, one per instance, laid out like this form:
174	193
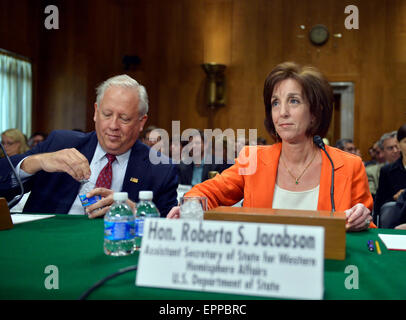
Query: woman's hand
358	218
174	213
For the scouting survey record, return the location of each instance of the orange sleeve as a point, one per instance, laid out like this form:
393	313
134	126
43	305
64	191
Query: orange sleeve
225	189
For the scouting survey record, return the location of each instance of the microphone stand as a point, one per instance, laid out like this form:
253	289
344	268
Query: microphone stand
5	218
319	143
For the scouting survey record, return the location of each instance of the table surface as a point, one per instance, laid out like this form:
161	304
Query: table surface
74	244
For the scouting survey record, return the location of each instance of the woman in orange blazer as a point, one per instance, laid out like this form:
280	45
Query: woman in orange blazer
294	173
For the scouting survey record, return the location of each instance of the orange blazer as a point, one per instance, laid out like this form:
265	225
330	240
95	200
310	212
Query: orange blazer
253	178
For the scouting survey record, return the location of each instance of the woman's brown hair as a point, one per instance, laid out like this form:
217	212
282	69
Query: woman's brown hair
316	90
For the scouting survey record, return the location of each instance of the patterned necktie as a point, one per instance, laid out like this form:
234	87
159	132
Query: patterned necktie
106	175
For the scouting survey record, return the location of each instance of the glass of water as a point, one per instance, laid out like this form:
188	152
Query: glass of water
193	207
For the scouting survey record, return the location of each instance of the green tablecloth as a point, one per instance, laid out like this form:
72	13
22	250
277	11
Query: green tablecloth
74	244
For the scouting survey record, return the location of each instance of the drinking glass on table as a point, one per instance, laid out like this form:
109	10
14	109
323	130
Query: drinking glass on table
192	208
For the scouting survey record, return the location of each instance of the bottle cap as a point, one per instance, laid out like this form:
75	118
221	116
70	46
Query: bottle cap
120	196
145	195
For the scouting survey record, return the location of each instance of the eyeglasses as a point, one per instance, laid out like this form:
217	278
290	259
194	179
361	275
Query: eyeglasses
6	143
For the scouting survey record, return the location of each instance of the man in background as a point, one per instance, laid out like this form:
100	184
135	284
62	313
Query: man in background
391	152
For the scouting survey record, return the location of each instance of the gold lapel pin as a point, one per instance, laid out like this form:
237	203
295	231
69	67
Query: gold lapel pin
135	180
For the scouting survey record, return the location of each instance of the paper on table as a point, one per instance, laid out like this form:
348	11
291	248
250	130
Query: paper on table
394	241
21	218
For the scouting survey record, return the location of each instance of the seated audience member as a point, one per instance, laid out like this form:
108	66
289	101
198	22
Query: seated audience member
294	173
36	138
392	178
347	145
376	154
14	142
195	167
390	150
397	215
146	136
111	157
261	141
175	149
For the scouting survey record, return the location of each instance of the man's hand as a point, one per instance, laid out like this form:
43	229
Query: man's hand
358	218
70	161
101	207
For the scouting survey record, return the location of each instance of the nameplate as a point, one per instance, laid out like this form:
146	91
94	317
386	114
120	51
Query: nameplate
266	260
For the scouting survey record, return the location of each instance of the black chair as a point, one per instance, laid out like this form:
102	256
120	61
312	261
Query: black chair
388	218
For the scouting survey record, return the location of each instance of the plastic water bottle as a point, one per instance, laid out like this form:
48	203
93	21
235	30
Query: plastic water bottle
119	227
145	209
85	187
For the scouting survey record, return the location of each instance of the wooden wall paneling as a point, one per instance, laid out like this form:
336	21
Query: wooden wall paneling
174	37
63	59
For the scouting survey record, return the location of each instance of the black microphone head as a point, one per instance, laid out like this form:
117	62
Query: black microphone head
318	141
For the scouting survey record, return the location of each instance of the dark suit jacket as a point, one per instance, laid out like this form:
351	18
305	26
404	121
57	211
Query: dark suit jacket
186	171
392	178
56	192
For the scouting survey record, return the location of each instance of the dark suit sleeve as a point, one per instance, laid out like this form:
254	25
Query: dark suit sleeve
166	197
383	192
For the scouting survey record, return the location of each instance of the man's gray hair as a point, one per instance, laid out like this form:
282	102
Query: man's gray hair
126	82
386	136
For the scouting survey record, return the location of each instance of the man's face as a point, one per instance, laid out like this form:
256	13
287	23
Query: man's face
350	147
117	121
391	150
152	138
379	155
35	140
197	150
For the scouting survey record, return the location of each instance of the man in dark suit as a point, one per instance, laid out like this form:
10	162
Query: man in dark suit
52	171
195	169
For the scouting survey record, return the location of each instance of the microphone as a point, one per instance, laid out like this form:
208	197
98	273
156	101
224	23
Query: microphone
320	144
18	197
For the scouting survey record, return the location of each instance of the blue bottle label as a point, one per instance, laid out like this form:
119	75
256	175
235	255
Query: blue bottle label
139	227
119	230
88	201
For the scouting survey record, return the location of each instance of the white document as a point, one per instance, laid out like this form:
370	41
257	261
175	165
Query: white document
259	259
394	241
21	218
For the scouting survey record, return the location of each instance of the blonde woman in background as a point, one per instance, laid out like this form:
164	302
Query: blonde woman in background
14	142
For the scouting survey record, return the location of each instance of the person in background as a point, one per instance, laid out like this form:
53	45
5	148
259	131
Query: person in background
202	161
294	173
399	212
147	138
261	141
36	138
376	154
347	145
14	142
392	177
111	158
390	151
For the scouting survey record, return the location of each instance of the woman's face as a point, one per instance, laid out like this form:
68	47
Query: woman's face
290	111
12	147
402	146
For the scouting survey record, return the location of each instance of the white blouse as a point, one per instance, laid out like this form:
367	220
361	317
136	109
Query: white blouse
299	200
